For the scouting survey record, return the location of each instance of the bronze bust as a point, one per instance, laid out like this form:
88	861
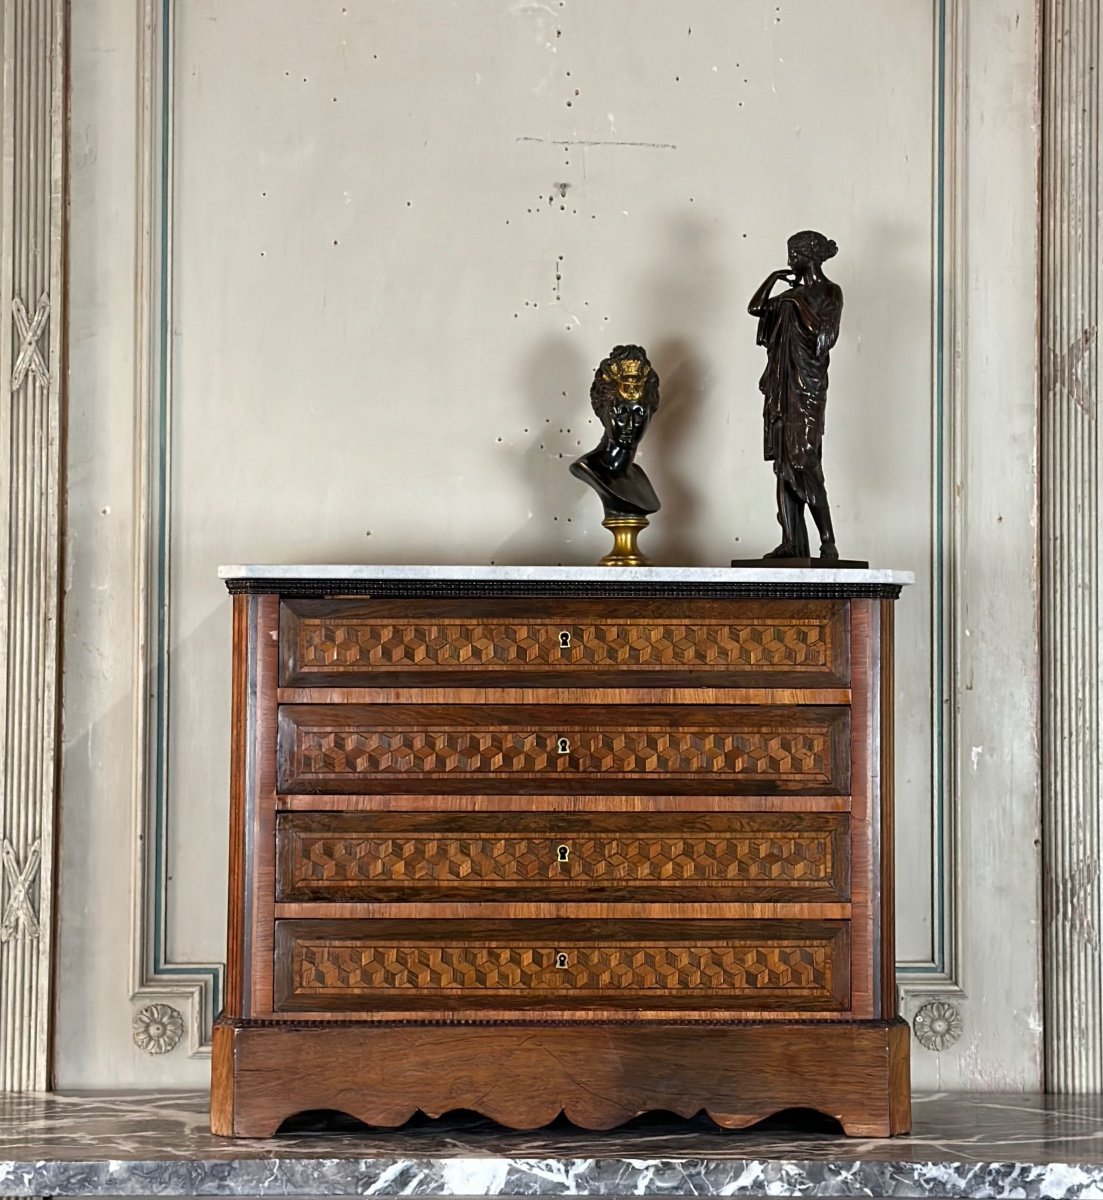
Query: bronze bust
798	327
624	395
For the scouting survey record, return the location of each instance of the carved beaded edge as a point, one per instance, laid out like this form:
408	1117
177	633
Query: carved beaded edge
401	589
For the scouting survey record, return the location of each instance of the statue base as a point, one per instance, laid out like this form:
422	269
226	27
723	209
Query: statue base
842	564
625	552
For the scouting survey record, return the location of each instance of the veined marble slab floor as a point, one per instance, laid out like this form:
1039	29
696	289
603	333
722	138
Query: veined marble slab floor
158	1143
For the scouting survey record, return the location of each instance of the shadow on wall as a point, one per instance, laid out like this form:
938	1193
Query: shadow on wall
880	400
557	519
675	537
555	391
683	287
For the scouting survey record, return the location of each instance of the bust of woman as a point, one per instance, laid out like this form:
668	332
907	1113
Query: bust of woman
624	395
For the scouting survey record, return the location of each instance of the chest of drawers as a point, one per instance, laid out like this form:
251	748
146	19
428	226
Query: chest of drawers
592	842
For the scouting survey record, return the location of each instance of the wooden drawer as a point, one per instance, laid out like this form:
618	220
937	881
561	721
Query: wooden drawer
668	856
560	643
673	749
461	965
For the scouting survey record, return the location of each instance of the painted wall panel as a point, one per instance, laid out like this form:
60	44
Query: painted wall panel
399	261
402	237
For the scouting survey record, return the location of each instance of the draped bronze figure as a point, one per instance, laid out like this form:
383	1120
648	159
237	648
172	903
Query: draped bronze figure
798	327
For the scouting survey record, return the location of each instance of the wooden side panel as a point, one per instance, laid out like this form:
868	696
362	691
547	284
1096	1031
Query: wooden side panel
261	825
865	819
567	748
455	965
887	915
224	1081
241	758
347	857
801	643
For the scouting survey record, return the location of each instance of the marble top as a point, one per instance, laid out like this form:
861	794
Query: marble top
708	575
147	1144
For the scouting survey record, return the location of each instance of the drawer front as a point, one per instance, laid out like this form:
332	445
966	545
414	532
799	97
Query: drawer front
736	857
462	965
673	749
364	643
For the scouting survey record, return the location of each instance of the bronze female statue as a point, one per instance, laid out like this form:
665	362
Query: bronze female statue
798	327
624	395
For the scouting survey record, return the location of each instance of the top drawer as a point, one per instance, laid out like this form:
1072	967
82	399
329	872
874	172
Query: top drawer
559	643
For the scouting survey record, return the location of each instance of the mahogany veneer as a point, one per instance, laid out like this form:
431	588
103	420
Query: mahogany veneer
586	855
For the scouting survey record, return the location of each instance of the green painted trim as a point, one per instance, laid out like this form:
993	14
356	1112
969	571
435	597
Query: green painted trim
161	964
161	669
937	967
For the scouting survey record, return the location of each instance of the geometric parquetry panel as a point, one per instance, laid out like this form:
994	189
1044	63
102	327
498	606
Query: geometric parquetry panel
795	755
325	968
332	646
792	858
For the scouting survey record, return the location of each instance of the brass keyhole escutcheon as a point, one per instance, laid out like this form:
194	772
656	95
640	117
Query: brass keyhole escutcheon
564	640
563	853
563	745
561	959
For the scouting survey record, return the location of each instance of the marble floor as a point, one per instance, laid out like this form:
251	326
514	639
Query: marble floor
158	1143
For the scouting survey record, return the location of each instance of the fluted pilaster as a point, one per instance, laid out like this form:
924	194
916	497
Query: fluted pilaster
1070	481
32	112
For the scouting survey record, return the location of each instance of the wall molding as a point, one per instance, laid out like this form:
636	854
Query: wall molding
1071	675
196	987
32	372
938	975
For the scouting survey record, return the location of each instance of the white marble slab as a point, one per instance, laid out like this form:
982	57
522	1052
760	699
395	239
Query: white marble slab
731	575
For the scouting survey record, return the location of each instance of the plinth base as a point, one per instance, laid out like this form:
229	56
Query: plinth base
625	552
525	1075
841	564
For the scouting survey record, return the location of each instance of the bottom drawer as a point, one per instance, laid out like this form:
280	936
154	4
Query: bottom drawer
349	966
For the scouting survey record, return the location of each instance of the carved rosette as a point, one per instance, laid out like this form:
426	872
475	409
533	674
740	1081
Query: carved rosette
157	1028
937	1025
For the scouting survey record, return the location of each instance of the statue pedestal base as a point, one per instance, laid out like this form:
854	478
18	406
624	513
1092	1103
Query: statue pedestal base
840	564
625	552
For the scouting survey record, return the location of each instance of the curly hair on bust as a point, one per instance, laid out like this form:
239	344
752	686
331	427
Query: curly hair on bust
812	245
603	390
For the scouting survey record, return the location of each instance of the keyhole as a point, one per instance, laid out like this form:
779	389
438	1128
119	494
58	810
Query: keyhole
564	640
564	745
564	853
560	959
